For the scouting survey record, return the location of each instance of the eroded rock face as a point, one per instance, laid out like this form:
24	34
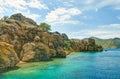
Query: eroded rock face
35	52
27	52
8	57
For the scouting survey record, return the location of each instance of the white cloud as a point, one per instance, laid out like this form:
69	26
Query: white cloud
1	11
62	16
98	4
108	3
17	4
68	4
60	23
33	16
37	4
104	32
88	1
10	5
111	26
21	6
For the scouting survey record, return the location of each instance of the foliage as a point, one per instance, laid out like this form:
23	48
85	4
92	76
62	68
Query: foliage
67	44
44	26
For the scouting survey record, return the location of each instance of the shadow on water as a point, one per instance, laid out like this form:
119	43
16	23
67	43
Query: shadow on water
8	69
90	52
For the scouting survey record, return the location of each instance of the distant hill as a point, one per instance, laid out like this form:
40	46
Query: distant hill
107	43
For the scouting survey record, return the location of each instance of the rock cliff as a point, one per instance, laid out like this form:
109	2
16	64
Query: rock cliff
22	39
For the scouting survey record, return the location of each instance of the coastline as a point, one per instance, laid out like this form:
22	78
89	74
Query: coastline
22	39
78	64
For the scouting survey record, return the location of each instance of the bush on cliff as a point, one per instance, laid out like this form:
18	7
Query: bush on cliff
45	27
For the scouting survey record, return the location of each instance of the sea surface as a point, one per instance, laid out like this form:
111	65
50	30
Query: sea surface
79	65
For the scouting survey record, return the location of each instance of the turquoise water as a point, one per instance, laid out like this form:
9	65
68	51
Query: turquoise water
105	65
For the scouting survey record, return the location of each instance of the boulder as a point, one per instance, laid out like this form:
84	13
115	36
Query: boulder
27	52
20	17
34	52
65	37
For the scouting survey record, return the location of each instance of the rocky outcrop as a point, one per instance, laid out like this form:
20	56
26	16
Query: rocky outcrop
107	43
34	52
22	39
20	17
8	57
81	45
65	37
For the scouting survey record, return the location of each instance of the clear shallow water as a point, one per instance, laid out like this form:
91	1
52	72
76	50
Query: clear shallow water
105	65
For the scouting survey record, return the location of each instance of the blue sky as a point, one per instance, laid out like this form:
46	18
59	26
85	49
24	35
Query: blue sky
77	18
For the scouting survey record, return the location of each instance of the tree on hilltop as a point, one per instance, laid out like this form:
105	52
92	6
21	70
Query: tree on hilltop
44	26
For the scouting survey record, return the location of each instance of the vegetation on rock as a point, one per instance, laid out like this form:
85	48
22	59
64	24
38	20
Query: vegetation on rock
45	27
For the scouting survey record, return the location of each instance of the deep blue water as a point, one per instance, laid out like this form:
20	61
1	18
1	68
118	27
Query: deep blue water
104	65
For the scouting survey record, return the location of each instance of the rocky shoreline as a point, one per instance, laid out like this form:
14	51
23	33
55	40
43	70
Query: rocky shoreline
22	40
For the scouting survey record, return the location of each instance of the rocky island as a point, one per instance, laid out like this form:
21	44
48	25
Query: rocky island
21	39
